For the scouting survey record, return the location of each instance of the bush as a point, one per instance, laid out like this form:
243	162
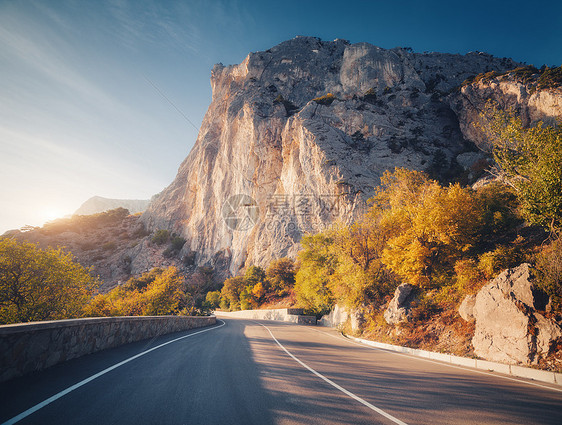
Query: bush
177	243
326	100
157	292
550	78
160	237
530	159
549	266
503	257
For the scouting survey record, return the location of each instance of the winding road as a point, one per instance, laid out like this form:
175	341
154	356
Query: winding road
260	372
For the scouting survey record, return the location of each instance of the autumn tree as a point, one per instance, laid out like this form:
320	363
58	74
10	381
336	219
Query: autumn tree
281	276
38	284
213	299
360	277
430	225
230	292
530	160
317	262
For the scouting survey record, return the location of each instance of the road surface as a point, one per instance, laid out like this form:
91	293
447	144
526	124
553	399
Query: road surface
249	372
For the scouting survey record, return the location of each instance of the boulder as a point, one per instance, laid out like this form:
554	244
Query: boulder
336	317
466	309
508	327
398	309
357	319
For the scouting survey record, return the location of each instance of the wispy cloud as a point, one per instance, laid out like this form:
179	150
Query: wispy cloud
44	55
156	23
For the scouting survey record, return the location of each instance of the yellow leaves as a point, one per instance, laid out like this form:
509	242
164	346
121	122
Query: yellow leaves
155	293
258	291
40	284
429	223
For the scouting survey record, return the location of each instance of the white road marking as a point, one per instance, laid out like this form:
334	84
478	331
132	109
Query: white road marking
48	401
468	369
332	383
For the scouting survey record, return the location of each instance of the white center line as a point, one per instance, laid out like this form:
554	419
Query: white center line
48	401
332	383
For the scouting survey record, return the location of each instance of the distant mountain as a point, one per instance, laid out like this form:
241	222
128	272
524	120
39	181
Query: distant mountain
97	204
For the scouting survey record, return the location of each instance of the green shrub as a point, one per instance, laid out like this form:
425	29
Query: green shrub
160	237
503	257
177	243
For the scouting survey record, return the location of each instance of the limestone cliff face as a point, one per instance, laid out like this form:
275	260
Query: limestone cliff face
301	159
509	91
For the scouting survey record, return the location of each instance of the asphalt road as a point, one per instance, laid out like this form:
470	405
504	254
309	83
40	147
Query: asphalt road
246	373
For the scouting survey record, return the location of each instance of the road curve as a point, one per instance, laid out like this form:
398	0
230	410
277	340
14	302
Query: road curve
260	372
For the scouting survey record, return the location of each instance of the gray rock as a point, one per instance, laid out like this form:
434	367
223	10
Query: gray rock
518	283
357	319
466	309
509	93
508	328
398	309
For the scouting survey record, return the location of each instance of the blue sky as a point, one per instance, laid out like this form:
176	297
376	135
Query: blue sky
90	90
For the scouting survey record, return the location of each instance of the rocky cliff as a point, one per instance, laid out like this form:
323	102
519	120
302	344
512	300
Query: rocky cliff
534	95
297	137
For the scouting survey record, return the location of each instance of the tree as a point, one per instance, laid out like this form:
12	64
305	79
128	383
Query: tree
281	276
166	295
431	225
231	290
213	299
317	263
360	277
38	284
530	160
254	275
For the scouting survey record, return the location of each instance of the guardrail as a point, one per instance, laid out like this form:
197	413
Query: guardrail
28	347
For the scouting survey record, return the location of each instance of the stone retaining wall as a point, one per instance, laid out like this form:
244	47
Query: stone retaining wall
28	347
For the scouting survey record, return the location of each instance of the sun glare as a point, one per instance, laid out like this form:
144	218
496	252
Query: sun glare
50	214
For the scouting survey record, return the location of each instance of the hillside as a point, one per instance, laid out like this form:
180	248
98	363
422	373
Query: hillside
99	204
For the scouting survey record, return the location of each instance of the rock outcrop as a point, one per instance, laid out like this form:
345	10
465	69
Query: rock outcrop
519	90
398	309
509	327
297	137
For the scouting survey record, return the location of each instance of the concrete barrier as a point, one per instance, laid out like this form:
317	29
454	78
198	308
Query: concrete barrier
519	371
29	347
279	314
